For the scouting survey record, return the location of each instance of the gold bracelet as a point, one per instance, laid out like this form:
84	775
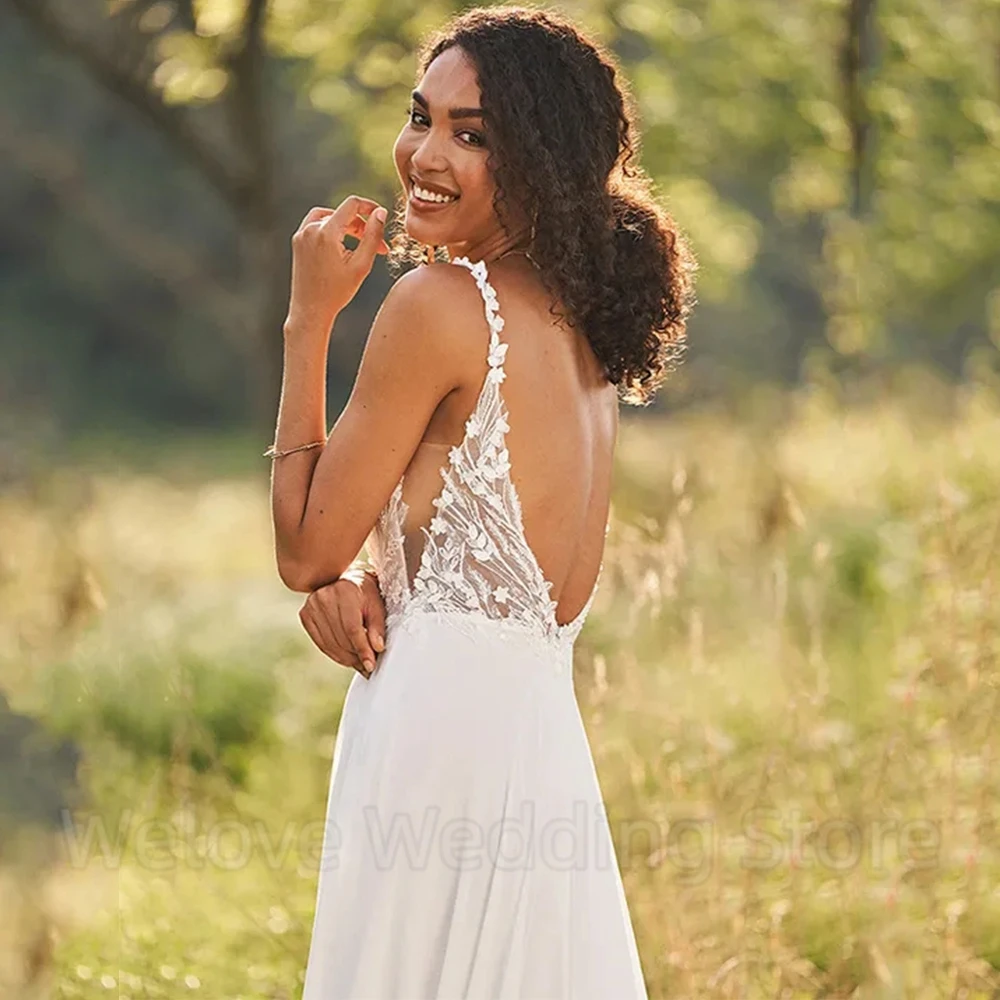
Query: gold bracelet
272	452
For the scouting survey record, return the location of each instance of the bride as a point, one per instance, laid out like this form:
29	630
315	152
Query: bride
467	852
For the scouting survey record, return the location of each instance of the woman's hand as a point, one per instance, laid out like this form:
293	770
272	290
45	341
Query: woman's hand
325	274
346	620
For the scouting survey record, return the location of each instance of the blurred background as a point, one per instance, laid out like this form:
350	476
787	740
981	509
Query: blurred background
790	677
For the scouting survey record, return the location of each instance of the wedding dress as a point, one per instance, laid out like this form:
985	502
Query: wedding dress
467	852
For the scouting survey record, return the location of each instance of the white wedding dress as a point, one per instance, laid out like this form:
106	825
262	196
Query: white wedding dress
467	852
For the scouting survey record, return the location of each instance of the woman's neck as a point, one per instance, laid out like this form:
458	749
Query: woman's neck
493	247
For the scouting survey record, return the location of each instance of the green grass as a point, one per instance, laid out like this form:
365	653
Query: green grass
790	679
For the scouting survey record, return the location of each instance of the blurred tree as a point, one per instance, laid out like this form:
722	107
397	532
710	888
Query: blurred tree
135	49
206	76
759	123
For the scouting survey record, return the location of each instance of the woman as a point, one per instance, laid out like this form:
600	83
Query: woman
467	851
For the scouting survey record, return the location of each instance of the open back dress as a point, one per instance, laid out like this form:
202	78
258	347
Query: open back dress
467	852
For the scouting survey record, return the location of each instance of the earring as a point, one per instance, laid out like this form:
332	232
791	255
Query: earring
533	232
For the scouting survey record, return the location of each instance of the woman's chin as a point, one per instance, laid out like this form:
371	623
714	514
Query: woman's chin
428	232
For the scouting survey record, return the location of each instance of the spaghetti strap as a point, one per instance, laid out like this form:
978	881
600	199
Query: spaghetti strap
497	349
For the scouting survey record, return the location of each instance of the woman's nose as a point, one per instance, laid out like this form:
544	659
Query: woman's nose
429	157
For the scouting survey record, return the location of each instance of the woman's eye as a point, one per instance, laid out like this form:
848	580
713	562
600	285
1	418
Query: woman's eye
419	119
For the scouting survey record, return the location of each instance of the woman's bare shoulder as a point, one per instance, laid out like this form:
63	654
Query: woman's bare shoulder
439	301
440	288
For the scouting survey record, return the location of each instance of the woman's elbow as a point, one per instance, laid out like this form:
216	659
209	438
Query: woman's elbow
296	575
305	576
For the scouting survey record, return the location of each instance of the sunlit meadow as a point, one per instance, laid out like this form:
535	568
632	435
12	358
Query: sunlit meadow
790	680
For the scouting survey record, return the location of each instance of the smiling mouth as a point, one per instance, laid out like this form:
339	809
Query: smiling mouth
425	196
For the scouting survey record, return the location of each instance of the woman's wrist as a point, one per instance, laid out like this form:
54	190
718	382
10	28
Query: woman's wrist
358	570
299	326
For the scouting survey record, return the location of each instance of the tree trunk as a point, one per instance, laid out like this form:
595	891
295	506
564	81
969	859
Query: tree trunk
265	304
858	61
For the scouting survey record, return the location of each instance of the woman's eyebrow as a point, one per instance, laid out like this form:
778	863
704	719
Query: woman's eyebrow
452	112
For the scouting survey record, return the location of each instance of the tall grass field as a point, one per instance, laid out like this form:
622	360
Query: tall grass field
790	680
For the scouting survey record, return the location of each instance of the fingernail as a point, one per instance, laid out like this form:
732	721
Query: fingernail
370	664
378	643
380	214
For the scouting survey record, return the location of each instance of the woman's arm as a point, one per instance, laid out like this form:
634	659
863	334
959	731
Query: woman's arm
301	420
325	277
325	501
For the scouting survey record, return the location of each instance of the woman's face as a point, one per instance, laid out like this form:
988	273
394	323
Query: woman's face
441	157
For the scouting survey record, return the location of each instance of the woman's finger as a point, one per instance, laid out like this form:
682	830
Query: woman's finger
374	612
351	206
355	627
340	606
332	609
315	215
319	630
317	625
338	615
314	629
356	228
364	254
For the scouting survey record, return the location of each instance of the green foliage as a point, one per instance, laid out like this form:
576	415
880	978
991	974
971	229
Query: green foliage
980	923
834	939
208	711
747	131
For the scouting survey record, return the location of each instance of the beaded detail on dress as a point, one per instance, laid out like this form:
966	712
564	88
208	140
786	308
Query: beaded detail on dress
476	562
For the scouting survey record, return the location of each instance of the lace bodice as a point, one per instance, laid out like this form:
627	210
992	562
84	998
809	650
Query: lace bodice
476	562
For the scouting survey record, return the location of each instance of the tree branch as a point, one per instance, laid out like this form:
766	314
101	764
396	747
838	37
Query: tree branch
166	262
172	122
249	108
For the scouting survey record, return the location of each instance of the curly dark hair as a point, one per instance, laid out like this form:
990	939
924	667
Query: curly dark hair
564	148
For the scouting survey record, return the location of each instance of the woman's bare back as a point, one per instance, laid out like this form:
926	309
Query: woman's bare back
563	417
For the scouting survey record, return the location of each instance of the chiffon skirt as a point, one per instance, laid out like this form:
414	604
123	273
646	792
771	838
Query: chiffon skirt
467	852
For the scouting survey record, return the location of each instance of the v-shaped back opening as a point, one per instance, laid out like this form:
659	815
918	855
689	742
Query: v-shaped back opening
461	521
